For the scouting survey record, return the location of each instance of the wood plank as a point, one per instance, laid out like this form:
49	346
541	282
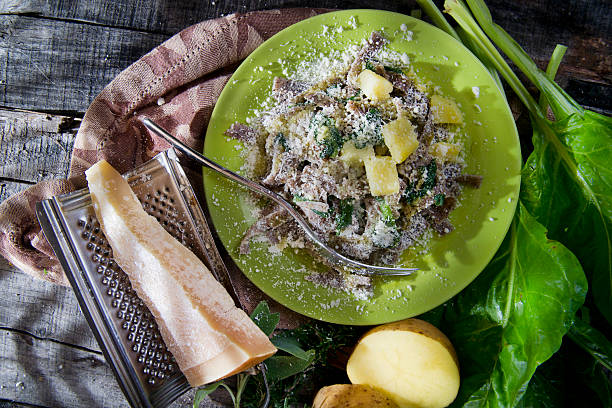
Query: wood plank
158	16
55	65
35	146
38	372
42	372
58	64
42	309
10	187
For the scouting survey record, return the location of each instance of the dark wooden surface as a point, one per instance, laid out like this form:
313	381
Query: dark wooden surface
56	56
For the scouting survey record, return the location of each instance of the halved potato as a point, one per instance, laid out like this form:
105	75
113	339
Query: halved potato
351	396
411	361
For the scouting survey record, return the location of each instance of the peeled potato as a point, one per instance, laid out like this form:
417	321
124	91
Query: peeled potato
411	361
351	396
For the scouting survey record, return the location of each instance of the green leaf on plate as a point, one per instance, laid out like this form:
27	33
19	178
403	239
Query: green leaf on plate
280	367
513	316
265	320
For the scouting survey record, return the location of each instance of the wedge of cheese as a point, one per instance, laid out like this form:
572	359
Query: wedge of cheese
208	335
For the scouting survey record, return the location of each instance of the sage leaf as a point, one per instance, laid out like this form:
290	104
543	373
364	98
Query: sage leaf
280	367
289	344
265	320
514	315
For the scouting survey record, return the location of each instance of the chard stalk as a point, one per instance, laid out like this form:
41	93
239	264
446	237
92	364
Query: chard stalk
560	102
438	19
463	17
551	71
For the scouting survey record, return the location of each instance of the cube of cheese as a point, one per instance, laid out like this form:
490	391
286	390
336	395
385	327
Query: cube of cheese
354	156
445	151
381	173
445	110
373	85
400	138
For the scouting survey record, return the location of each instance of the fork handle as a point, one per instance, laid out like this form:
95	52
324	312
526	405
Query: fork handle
193	154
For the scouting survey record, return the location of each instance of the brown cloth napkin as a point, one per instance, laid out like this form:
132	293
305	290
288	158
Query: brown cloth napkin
176	85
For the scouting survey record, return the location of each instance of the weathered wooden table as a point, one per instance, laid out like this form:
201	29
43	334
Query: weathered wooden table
55	56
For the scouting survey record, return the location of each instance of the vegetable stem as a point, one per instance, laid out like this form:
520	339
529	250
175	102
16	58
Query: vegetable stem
561	103
463	17
438	19
551	71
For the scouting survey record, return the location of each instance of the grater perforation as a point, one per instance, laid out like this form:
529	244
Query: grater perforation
123	325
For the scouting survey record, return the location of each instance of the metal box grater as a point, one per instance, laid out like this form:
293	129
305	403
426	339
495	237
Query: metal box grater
123	325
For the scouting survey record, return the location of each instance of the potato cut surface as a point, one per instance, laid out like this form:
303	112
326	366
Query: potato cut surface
414	369
373	85
381	173
401	139
351	396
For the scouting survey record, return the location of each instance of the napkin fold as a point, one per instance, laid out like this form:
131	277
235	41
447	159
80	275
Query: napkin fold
176	85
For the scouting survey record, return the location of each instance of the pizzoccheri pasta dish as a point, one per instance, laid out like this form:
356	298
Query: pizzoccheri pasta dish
373	160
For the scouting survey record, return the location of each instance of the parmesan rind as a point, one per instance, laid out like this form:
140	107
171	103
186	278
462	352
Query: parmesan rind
208	335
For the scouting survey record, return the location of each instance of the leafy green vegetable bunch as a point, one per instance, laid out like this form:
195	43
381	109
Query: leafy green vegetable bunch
514	316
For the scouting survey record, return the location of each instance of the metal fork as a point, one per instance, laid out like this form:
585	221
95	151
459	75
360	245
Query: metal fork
332	255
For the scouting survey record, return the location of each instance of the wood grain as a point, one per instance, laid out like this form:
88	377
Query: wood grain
42	372
54	65
42	309
57	55
35	146
169	17
59	60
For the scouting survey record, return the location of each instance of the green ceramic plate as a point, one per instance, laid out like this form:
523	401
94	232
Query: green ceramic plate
481	222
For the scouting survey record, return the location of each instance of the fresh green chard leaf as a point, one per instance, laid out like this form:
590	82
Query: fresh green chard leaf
513	316
568	189
265	320
567	183
344	217
439	199
593	342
